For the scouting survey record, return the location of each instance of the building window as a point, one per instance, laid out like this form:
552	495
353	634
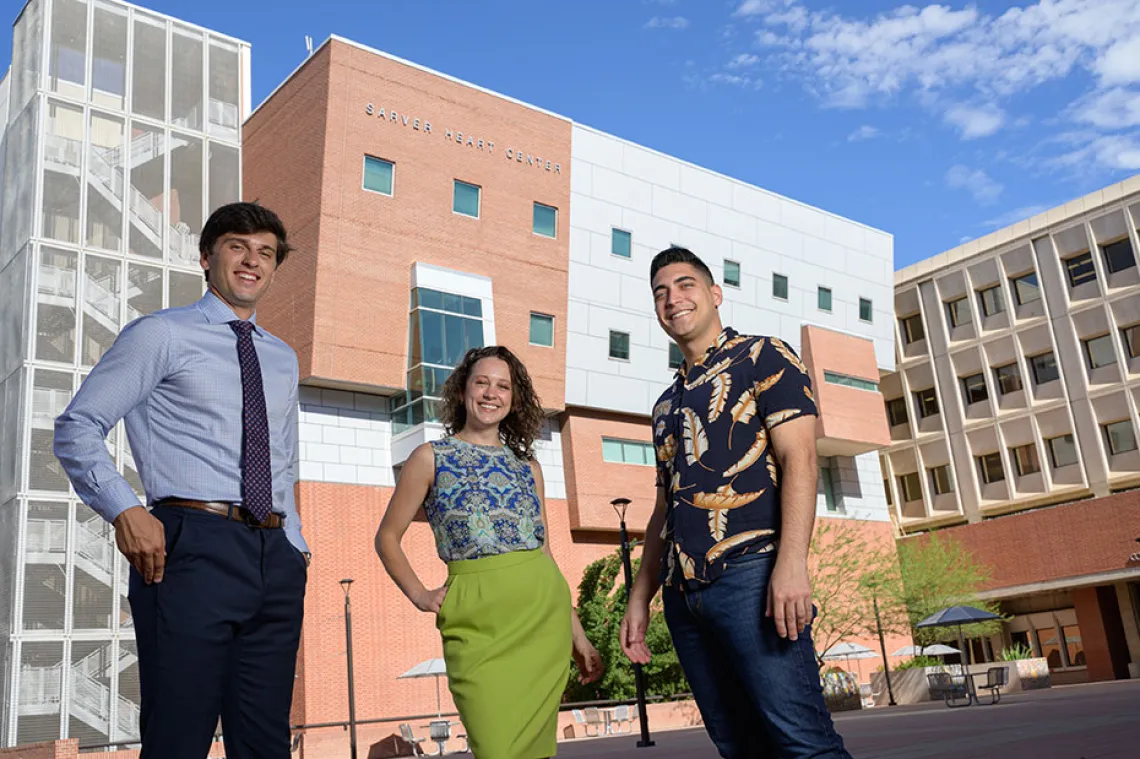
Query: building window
1131	337
910	488
465	200
443	326
927	403
732	273
896	411
990	300
1044	368
1080	269
974	389
619	345
1008	378
1025	459
959	312
1118	255
940	481
1100	352
828	481
1074	648
621	243
825	299
1062	450
542	330
989	464
865	312
676	357
912	329
1025	288
1120	436
779	287
628	452
378	175
887	490
545	220
836	378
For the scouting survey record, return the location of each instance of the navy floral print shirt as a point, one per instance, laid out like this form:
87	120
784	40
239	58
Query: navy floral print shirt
714	457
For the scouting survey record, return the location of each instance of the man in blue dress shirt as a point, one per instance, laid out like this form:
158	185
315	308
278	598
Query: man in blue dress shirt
218	564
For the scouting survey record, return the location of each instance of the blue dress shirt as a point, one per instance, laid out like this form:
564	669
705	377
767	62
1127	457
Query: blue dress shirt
173	376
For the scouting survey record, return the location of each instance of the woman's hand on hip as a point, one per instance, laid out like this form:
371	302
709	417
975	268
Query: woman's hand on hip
430	600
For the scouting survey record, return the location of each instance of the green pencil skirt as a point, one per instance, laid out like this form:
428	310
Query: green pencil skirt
505	623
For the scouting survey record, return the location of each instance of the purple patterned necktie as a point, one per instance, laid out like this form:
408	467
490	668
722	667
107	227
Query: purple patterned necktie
257	472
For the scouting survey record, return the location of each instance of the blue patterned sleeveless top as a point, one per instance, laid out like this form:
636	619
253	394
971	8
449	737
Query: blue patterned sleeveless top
483	501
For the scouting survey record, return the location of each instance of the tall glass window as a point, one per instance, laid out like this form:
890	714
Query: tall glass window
225	90
147	148
187	91
102	289
63	154
105	186
187	198
109	51
148	69
55	306
225	176
67	54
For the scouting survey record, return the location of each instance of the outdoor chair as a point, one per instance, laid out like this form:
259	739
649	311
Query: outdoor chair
407	734
622	714
580	719
594	718
996	679
942	685
439	730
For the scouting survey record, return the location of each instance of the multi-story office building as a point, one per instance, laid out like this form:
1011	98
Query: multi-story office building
121	131
431	216
1017	382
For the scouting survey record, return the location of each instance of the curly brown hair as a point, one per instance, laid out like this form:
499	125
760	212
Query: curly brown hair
522	424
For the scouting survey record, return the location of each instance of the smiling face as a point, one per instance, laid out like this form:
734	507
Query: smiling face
240	268
488	394
686	304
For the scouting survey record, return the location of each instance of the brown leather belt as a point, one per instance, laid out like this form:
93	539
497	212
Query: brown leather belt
228	510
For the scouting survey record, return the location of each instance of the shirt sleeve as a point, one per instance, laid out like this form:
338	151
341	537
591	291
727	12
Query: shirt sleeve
292	517
783	387
128	373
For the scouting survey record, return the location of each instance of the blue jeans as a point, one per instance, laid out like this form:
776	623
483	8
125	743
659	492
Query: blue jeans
759	694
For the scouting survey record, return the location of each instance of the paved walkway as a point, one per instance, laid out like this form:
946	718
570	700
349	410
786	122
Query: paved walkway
1095	721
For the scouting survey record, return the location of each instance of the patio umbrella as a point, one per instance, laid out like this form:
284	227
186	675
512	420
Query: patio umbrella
956	616
430	668
934	650
848	651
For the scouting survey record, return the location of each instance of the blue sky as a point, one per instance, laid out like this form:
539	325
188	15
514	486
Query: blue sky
935	123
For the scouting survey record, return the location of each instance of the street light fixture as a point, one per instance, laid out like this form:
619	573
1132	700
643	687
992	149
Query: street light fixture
345	585
620	505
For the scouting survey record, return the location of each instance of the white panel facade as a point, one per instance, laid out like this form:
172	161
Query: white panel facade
661	200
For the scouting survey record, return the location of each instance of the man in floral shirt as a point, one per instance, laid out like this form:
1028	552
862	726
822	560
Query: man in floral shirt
735	441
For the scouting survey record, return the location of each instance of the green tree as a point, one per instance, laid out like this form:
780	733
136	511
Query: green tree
601	606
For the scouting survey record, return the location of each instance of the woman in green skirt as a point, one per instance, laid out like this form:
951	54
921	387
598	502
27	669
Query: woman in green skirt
505	614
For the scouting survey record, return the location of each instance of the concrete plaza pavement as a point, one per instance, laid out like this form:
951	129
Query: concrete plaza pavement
1091	721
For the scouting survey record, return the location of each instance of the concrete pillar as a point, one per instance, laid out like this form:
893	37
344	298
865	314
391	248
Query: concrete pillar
1102	633
1130	617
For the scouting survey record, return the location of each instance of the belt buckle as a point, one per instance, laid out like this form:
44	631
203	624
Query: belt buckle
247	516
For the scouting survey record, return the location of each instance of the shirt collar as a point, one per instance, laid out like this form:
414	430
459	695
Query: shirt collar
217	312
725	335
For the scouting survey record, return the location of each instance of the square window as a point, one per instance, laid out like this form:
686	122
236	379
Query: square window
1044	368
1131	340
619	345
779	287
911	487
1080	269
542	330
1063	451
974	389
1025	288
1118	255
621	243
612	451
990	300
896	411
732	273
676	357
545	220
1008	378
825	299
940	481
927	402
1100	352
1025	459
1121	438
865	311
989	464
912	329
378	175
959	312
465	200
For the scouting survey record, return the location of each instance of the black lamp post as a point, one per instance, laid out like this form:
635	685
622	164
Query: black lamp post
345	585
883	648
620	505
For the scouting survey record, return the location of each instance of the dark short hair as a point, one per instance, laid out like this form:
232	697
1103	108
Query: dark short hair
243	219
679	255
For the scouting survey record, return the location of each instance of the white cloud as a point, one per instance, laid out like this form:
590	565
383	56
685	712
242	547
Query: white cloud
984	189
738	80
1115	109
667	22
975	121
1120	64
865	132
1014	216
744	60
1113	151
753	7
